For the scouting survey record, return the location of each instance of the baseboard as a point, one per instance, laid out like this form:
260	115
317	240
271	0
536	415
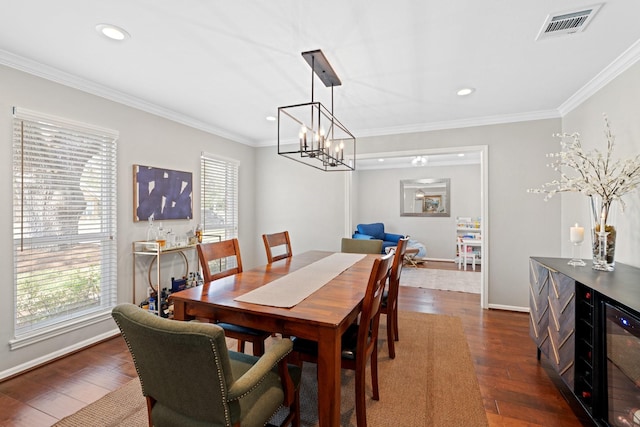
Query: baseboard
508	308
32	364
439	259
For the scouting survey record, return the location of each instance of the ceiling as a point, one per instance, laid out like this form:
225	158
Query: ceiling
223	66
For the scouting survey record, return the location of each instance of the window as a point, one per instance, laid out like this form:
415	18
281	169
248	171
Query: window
64	224
219	197
219	201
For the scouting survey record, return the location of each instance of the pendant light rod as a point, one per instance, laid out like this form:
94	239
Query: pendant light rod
320	65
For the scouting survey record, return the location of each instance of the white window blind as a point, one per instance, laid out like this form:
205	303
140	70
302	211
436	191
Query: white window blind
64	226
219	197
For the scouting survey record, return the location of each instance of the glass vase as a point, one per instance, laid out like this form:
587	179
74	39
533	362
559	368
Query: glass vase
603	235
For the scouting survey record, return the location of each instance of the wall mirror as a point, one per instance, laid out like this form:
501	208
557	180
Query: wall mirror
424	197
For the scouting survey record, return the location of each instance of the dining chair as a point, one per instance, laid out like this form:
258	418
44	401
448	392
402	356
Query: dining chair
277	240
389	306
361	246
360	341
190	378
464	255
223	253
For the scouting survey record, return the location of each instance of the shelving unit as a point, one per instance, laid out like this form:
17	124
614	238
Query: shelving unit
154	252
469	230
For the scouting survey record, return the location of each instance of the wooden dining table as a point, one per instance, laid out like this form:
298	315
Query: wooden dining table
323	316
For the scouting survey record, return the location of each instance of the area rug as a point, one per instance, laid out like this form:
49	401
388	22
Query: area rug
431	382
446	280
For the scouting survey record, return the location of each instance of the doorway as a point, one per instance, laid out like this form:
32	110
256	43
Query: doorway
481	152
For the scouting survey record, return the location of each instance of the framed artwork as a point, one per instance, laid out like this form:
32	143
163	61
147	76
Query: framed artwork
431	204
161	193
425	197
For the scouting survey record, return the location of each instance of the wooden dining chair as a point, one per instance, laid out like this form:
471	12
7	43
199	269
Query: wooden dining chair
277	240
360	341
389	305
222	253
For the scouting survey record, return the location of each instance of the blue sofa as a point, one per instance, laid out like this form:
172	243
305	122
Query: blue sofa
376	231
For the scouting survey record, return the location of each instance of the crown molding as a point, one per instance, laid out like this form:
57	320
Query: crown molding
62	77
463	123
451	124
619	65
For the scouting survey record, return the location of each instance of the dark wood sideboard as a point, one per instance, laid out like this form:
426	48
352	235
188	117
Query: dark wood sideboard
567	313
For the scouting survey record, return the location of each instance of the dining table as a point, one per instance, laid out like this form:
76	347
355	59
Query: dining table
322	316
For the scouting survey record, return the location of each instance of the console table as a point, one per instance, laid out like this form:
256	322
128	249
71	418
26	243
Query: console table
568	325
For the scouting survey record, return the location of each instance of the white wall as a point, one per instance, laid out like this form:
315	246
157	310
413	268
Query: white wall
620	100
144	139
305	201
378	200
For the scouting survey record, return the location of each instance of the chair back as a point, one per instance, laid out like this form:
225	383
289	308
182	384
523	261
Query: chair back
277	240
184	367
396	271
370	315
222	252
361	246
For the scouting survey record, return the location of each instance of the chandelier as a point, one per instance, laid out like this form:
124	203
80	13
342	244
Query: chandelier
309	133
419	161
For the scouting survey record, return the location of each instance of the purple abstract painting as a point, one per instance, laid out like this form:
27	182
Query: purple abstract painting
163	193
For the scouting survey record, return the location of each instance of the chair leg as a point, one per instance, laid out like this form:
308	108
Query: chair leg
374	374
240	346
295	422
258	347
361	408
395	324
150	402
391	336
293	418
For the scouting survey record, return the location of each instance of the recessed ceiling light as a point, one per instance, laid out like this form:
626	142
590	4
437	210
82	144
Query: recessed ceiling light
466	91
112	32
381	160
270	118
460	154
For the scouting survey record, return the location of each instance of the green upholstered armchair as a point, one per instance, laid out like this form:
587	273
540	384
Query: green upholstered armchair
361	246
190	378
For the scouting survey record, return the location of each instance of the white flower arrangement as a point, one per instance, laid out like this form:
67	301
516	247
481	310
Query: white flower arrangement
596	173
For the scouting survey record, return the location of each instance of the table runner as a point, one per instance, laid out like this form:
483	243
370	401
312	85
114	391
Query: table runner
291	289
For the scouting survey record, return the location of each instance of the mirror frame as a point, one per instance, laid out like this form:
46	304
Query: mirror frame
436	190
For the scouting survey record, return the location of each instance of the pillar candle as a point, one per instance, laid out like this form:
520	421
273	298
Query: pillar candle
576	234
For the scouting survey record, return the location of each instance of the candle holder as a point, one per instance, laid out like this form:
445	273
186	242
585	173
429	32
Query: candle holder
601	253
576	236
575	260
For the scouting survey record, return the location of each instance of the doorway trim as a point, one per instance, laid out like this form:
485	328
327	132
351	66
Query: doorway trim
484	197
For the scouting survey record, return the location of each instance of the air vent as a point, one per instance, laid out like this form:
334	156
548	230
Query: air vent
568	22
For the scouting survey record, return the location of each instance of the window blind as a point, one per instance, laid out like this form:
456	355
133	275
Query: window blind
64	221
219	197
219	203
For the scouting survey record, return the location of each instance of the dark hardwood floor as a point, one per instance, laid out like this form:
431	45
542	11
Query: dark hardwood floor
516	389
